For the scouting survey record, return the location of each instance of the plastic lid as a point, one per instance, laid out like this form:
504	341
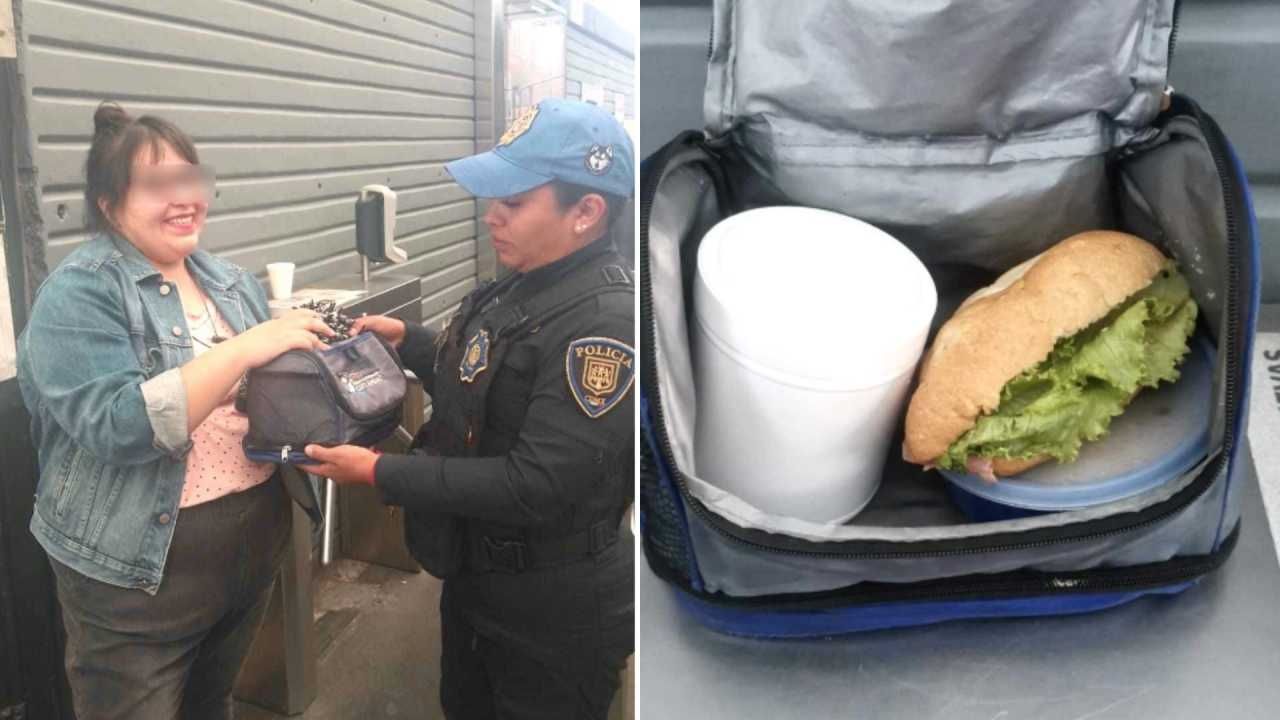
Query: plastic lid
813	297
1162	434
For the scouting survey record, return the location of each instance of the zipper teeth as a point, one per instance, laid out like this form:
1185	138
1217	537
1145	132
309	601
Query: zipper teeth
1215	467
1173	35
711	37
955	552
1234	260
1002	588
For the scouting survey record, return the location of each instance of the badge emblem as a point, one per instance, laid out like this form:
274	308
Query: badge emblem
519	126
600	371
476	358
599	159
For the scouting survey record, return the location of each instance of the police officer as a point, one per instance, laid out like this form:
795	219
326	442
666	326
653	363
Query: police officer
515	489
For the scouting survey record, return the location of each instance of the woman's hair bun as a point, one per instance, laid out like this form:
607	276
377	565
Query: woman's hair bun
109	118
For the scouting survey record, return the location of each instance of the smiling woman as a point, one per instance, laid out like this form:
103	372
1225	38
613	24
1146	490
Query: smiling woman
163	537
116	166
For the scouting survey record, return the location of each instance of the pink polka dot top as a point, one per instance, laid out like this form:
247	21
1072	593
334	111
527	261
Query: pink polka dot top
216	465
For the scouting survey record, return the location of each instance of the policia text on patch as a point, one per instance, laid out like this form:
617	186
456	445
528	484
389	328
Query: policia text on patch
600	372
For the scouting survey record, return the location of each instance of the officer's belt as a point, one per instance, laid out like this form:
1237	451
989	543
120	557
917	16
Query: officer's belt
494	552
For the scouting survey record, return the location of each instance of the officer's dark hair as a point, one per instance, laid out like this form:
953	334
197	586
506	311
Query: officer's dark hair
568	194
117	138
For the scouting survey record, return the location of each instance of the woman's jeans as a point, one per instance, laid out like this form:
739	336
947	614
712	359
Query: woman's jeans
176	654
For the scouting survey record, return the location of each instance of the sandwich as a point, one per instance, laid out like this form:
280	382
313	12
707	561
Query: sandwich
1030	368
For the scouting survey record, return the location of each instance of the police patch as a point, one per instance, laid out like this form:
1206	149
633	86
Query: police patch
600	372
519	126
476	359
599	159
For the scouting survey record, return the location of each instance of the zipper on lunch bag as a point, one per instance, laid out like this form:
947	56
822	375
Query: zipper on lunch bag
1014	584
285	455
711	38
1232	197
877	549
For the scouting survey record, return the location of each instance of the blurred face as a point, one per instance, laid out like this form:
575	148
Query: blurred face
164	209
530	230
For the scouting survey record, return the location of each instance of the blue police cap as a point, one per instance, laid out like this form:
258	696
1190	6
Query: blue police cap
557	139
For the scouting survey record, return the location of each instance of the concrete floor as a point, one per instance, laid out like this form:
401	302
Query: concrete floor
378	643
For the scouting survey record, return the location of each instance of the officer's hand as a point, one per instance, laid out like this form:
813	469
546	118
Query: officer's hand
345	464
391	329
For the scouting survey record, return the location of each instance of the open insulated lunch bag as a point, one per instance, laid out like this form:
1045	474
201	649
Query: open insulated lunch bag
978	134
348	393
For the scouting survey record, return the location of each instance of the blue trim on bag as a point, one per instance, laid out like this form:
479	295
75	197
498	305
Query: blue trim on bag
668	486
860	618
299	456
1249	323
266	456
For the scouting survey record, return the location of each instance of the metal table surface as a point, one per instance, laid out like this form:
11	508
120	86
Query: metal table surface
1209	652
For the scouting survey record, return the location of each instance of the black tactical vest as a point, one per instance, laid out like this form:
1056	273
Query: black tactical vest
461	425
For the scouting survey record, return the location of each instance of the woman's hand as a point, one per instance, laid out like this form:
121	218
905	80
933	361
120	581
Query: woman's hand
389	328
211	376
295	330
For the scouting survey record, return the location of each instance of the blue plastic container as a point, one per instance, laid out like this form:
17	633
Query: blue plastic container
1161	435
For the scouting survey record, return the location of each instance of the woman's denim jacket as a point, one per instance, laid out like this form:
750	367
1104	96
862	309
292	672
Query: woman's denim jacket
98	369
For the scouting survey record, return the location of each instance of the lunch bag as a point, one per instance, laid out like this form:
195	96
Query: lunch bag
349	393
978	134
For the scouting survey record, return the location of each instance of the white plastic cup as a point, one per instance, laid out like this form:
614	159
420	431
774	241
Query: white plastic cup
807	328
280	276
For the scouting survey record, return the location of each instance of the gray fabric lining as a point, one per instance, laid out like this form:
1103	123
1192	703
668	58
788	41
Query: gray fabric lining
674	217
941	68
1185	218
743	570
1199	231
884	111
992	215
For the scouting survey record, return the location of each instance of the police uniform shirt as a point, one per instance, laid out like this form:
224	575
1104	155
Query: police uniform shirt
573	429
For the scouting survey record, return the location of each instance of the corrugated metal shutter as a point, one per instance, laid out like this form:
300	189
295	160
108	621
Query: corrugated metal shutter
589	59
296	103
1227	58
488	76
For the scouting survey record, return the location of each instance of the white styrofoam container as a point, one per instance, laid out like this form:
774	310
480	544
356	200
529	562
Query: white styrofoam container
807	328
